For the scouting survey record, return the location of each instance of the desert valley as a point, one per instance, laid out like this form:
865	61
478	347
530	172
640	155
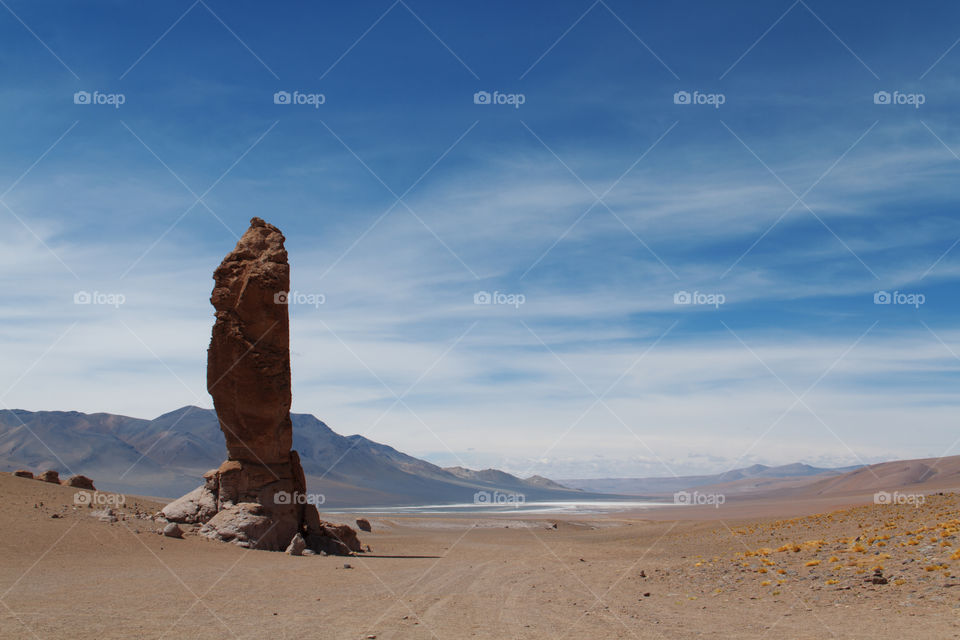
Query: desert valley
794	549
800	567
408	319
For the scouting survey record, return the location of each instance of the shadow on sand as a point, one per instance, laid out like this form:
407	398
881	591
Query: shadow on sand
369	555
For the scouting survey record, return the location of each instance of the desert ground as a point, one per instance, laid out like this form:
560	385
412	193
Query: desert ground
701	572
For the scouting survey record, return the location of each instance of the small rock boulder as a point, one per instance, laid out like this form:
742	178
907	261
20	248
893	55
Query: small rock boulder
173	530
23	473
197	506
79	482
334	539
49	476
296	546
363	524
245	524
107	515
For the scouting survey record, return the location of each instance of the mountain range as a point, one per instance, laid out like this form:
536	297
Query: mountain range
746	480
167	456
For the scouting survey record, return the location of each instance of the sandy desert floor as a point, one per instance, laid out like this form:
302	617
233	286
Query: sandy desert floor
862	572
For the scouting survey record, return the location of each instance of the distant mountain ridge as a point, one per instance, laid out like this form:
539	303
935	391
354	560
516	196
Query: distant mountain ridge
168	455
737	480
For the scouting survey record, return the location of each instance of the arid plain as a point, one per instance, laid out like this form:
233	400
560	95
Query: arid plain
803	568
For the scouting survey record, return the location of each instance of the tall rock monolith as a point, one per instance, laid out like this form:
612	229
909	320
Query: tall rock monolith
257	497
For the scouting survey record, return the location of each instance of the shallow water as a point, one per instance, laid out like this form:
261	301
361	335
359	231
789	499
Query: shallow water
567	507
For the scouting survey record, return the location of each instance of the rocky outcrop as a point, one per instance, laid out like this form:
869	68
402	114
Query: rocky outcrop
50	476
23	473
79	482
257	497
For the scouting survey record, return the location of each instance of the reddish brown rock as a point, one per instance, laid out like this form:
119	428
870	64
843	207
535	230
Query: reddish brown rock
336	538
363	524
49	476
79	482
23	473
257	498
248	362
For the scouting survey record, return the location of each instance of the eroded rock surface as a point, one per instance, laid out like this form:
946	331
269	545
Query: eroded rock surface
49	476
79	482
257	497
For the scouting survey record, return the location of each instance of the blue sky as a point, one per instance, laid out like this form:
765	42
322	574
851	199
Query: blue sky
598	200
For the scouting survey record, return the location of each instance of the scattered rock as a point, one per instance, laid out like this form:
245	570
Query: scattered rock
347	566
106	515
296	546
363	524
173	530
